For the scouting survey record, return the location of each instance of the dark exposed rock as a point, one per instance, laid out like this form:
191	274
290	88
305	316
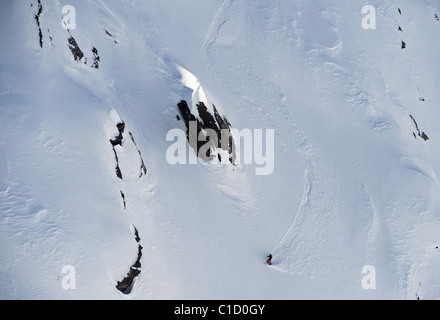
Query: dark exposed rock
74	48
118	172
424	136
96	58
136	234
118	139
206	118
78	54
123	199
186	114
50	38
224	124
188	118
403	45
205	121
121	126
117	169
110	35
143	167
37	19
125	285
421	134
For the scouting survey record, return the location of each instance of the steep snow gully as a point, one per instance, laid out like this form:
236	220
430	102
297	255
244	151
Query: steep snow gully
162	149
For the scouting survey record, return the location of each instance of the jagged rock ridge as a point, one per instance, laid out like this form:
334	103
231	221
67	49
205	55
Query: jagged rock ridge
207	120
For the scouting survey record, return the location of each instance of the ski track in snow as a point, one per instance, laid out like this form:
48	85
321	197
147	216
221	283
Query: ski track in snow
285	125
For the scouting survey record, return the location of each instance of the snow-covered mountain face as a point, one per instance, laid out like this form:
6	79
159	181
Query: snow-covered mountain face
329	158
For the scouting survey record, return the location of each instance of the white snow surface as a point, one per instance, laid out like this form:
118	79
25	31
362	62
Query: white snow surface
353	184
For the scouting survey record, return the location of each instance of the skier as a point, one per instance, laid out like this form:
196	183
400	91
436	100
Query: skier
269	259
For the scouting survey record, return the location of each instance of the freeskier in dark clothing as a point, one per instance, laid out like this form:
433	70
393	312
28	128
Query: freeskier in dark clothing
269	259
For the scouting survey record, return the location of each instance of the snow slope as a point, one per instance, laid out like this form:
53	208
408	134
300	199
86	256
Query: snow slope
354	182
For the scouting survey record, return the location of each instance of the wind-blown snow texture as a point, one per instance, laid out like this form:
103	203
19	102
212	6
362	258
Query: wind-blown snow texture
355	181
